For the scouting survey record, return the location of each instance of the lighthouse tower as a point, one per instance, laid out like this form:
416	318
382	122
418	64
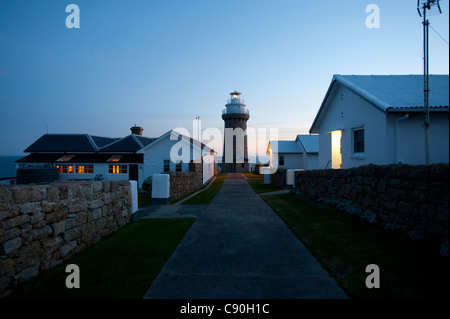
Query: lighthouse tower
235	116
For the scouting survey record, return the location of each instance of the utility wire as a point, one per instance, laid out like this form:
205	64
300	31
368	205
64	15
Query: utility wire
438	34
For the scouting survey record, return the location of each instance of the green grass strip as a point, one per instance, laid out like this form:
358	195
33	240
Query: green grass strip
206	196
259	187
123	265
345	245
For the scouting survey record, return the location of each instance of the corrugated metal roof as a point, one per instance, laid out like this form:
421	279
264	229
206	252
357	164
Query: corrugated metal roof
390	93
285	147
399	91
310	143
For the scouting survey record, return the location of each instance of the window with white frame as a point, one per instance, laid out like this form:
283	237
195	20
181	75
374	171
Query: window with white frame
358	140
65	169
118	169
84	169
166	165
281	160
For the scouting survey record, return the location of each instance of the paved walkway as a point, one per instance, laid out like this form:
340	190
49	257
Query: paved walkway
239	248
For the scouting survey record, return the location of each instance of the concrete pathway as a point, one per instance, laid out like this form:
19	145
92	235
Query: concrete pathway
239	248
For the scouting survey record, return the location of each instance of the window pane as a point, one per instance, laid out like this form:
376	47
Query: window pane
166	165
358	141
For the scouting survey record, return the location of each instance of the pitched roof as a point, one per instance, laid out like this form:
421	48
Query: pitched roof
62	143
285	147
87	143
399	91
172	134
309	142
130	143
102	141
392	93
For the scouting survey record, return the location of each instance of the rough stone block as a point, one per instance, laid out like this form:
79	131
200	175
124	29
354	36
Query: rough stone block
71	222
5	195
72	234
96	204
97	186
31	207
36	217
58	227
51	244
22	194
11	245
16	221
55	216
97	213
67	248
38	193
40	233
81	218
53	194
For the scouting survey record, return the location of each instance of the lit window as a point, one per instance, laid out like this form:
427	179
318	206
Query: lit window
65	169
358	140
65	158
85	169
118	169
115	158
166	165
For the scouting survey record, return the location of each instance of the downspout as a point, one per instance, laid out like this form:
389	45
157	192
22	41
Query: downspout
396	141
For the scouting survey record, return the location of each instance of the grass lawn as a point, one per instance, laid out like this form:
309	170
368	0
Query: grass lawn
345	245
120	266
144	199
252	175
206	196
259	187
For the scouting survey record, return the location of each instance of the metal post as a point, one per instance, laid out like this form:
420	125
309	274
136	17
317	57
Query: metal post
426	89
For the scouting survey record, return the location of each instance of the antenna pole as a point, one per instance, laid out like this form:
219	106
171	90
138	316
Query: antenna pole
426	89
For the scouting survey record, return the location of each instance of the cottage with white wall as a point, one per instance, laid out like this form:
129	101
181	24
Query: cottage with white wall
299	154
379	119
133	157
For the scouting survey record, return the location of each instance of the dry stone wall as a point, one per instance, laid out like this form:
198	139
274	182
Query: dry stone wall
42	225
184	183
411	198
278	179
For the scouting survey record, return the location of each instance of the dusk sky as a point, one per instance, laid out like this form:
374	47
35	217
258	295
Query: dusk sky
161	63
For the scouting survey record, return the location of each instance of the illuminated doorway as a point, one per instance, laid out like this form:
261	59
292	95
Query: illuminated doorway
336	154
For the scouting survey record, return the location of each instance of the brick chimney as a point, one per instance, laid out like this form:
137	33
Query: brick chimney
137	130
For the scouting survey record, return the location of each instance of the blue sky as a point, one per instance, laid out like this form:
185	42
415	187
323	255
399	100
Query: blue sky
161	63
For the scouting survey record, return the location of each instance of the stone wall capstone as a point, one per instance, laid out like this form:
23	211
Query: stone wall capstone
409	198
42	225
